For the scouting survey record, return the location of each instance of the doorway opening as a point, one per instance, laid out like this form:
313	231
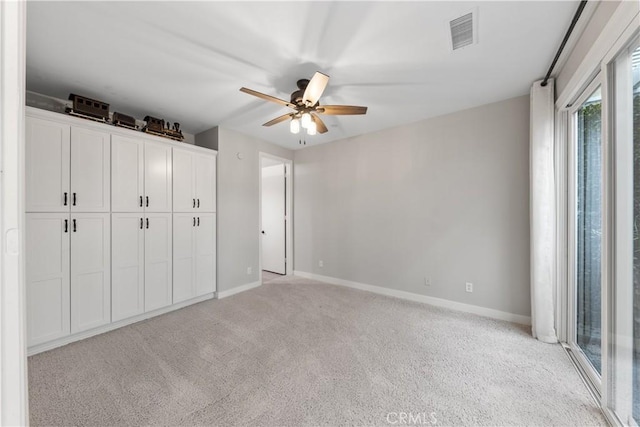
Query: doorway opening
275	227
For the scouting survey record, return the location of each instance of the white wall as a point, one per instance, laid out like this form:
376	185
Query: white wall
446	198
238	210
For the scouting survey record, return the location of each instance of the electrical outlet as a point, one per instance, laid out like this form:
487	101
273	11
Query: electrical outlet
469	287
249	270
427	281
321	263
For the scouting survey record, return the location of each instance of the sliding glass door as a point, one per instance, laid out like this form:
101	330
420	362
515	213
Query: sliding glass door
624	306
586	296
600	224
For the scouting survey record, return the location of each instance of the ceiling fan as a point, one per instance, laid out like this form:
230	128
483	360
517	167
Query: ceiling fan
304	102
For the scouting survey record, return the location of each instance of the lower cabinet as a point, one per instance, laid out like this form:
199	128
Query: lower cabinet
67	274
194	255
141	265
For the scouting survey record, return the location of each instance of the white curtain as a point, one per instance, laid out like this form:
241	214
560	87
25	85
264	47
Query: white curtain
543	211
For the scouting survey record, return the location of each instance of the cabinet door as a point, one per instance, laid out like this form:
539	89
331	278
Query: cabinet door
157	262
183	181
90	170
205	253
205	182
47	155
127	165
183	256
127	265
157	177
90	271
47	276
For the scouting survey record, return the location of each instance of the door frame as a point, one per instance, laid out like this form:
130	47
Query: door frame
594	378
288	174
13	362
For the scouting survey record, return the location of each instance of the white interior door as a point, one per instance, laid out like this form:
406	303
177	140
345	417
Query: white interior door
183	181
205	249
184	225
127	164
158	262
47	166
157	177
205	182
127	265
273	218
90	170
47	274
90	270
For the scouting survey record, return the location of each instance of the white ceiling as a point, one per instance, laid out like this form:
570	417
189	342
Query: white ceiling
186	61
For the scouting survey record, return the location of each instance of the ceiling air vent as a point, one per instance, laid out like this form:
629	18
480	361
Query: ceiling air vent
462	31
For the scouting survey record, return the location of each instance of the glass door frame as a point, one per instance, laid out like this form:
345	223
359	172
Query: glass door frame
592	377
618	401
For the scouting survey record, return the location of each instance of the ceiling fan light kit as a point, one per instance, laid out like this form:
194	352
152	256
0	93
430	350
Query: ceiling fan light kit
305	103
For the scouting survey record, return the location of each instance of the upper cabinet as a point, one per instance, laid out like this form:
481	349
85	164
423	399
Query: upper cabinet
140	175
127	174
48	157
157	177
67	168
90	170
194	181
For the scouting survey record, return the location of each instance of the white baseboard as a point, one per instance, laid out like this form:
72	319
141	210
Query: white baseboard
439	302
238	289
39	348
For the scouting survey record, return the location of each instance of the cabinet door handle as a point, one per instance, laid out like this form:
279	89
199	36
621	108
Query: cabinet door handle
194	203
147	222
194	221
74	199
66	225
141	223
65	198
75	226
140	201
198	221
198	202
147	201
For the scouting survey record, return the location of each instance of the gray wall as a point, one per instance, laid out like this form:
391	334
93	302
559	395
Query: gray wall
596	24
237	184
446	198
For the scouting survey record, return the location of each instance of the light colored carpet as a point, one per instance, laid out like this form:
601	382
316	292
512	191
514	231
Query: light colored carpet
297	352
268	276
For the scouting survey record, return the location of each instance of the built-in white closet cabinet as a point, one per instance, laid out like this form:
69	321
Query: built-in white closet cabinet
194	181
194	251
68	168
141	175
101	233
142	227
142	264
67	220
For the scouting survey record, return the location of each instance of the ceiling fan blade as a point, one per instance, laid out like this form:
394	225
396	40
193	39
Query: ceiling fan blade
314	89
320	126
267	97
277	120
341	110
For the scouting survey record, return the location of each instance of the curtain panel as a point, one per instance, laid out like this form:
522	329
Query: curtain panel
542	212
